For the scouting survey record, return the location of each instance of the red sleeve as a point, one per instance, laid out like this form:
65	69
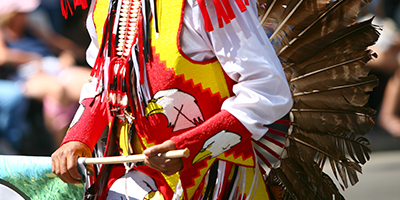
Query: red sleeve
221	134
91	123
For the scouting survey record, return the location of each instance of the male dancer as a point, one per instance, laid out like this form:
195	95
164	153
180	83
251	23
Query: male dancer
177	74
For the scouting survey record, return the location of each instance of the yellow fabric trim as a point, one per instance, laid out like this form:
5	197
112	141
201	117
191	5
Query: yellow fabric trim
136	145
238	160
248	162
260	191
124	143
171	180
99	17
210	75
191	190
154	195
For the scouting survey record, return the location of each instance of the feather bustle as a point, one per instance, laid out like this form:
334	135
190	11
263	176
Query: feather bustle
323	51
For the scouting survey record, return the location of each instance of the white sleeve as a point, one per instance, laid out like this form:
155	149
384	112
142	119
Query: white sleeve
262	94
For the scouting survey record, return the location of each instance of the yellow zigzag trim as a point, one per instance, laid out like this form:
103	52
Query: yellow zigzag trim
208	75
203	171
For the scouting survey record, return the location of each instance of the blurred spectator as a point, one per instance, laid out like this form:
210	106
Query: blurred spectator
391	8
13	109
30	45
13	105
387	65
389	114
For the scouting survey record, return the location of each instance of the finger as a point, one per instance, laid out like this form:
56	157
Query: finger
169	168
155	162
62	178
55	166
72	166
152	151
166	166
161	148
151	165
64	172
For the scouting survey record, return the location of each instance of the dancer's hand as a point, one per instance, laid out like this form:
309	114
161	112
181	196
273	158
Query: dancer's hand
65	161
168	166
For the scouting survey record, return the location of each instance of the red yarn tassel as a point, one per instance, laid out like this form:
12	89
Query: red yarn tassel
65	6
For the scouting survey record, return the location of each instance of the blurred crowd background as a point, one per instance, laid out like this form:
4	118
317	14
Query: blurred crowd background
385	98
42	68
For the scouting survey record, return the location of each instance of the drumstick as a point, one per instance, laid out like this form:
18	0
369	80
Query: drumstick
132	158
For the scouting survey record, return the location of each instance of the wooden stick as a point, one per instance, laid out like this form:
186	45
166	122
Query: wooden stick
133	158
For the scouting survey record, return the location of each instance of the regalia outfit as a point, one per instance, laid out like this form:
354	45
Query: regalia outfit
183	71
204	75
